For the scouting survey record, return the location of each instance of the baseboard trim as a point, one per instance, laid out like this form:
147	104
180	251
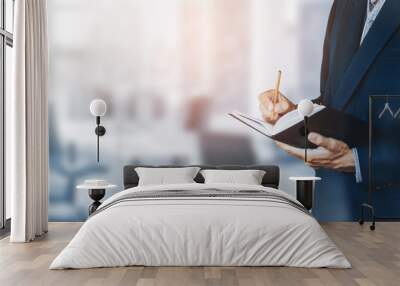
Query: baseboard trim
5	231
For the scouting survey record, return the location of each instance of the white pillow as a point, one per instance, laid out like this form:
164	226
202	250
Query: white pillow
248	177
165	176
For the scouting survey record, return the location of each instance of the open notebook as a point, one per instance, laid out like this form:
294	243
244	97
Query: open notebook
326	121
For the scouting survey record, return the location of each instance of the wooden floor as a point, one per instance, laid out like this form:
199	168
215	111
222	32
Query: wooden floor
375	257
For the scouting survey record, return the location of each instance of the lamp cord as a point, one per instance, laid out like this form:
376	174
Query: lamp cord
98	137
305	138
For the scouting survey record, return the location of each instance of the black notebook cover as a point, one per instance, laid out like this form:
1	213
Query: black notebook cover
327	122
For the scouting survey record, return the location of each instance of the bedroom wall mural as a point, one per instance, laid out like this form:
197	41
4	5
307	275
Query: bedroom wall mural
170	71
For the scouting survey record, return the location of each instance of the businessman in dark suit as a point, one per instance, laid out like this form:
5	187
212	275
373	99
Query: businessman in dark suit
361	57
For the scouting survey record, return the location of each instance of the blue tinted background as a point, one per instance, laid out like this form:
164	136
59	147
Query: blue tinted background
169	71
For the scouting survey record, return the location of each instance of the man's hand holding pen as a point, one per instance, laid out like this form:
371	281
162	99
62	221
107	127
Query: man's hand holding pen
271	111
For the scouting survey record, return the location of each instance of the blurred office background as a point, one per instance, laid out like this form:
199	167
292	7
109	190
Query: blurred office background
170	71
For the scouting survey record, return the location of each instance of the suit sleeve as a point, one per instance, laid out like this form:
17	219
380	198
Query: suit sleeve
325	55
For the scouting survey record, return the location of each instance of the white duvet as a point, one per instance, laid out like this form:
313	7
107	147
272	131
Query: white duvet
200	231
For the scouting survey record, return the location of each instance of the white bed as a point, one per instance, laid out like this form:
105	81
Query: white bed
207	230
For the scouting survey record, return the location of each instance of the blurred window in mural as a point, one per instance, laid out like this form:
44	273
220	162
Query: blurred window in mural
169	71
6	63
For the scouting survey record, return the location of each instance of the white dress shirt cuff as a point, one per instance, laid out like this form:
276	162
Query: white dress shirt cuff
357	165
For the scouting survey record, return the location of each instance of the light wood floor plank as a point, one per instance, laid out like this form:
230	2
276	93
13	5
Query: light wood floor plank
375	257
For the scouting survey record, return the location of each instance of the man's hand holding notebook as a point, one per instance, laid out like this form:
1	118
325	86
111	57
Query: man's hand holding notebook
332	132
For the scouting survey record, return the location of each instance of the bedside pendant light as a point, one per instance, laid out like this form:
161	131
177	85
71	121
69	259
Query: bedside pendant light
305	108
98	108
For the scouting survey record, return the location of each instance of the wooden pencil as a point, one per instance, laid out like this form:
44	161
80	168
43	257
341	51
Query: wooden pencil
277	85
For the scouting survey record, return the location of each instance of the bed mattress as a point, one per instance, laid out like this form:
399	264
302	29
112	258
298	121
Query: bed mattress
201	225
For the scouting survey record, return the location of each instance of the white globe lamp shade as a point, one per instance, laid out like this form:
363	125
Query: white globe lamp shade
98	107
305	107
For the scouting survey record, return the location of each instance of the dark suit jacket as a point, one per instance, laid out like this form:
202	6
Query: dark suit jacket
349	74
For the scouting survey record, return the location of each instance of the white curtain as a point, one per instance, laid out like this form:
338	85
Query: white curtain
27	131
